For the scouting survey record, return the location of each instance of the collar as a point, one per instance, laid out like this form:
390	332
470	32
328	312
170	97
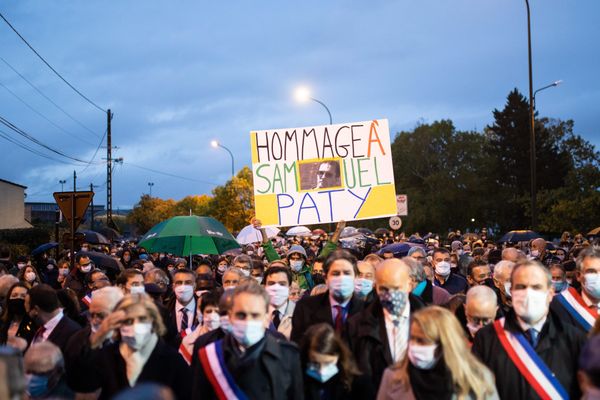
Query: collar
588	302
334	302
282	309
51	324
190	306
537	326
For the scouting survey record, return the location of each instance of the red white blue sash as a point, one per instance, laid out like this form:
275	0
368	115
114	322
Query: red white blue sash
213	363
575	305
529	364
183	349
87	300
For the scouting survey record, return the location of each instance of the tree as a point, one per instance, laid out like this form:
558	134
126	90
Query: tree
232	204
150	211
194	204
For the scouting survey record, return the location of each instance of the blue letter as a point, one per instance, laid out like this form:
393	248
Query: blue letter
313	206
330	204
361	199
279	204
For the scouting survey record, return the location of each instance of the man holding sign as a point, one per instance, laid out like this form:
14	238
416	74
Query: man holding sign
323	174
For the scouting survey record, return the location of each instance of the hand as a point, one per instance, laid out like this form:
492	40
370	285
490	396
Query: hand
111	323
341	225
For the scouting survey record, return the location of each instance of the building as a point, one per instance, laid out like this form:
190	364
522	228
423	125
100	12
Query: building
12	206
39	212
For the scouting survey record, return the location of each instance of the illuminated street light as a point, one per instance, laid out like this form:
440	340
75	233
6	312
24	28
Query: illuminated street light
216	144
303	95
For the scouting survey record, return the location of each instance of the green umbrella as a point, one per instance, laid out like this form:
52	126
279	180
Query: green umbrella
184	236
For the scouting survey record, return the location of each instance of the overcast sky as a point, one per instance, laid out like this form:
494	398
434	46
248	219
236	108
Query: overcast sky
178	74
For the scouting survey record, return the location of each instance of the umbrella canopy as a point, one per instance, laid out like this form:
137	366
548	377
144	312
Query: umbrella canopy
349	231
366	231
519	236
318	232
251	235
381	231
102	260
93	237
187	235
299	231
110	233
44	248
594	232
399	249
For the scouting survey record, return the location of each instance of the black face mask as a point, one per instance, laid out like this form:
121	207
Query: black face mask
318	279
16	306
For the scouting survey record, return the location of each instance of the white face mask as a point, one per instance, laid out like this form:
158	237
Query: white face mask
225	324
21	265
535	253
296	265
86	268
136	335
247	333
258	279
245	272
422	357
592	285
212	320
184	293
137	290
507	286
442	268
63	271
50	267
278	294
530	305
30	276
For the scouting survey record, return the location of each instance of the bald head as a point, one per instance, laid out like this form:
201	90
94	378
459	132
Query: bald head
538	244
482	295
393	274
511	254
42	357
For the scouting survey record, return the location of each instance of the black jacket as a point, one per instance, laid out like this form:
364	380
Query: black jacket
268	370
77	355
314	310
559	345
565	315
369	341
61	334
165	366
173	336
27	329
334	390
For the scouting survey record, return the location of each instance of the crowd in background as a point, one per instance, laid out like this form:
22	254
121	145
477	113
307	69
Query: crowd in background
315	317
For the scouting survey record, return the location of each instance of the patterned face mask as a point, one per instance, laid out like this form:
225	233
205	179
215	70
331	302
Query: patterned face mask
394	301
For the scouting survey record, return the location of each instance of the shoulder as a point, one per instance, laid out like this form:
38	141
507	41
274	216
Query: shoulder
310	301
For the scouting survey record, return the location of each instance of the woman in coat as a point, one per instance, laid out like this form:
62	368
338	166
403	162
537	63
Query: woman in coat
14	321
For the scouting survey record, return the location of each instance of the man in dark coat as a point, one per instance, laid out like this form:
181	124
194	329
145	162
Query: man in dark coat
259	365
335	306
379	334
557	343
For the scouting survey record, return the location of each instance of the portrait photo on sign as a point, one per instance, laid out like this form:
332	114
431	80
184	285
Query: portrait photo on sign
322	174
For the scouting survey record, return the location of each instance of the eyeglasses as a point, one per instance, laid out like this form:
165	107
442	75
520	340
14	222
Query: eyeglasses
481	320
99	315
325	174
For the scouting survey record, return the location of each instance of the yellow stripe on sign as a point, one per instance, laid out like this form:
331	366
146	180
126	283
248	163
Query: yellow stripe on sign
266	208
381	201
253	147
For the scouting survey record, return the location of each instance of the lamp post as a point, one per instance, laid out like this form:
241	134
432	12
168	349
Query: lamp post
150	184
553	84
62	184
216	144
531	125
302	94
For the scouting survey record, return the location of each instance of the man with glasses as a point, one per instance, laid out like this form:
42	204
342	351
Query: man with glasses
328	175
481	309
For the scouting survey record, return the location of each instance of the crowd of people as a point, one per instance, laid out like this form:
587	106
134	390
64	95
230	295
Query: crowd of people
305	318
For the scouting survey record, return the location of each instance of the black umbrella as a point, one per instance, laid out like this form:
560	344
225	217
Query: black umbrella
519	236
93	237
44	248
110	234
381	231
103	261
366	231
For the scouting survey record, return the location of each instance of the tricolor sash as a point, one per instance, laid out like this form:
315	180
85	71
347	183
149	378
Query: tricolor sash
529	364
87	299
183	349
575	305
213	363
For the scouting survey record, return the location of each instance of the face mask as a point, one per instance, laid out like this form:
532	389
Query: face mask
85	249
199	293
341	287
473	328
184	293
422	357
86	268
94	327
459	252
16	306
530	305
322	373
137	290
363	286
212	321
247	333
559	286
442	269
560	257
50	267
296	265
225	324
507	286
136	335
37	385
63	272
258	279
245	272
30	276
278	294
592	285
535	253
393	301
21	265
221	268
452	265
126	258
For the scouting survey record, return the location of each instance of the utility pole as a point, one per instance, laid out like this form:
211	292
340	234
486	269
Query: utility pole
92	210
109	220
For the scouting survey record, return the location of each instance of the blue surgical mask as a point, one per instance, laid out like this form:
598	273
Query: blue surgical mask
321	373
37	385
341	286
296	265
559	286
592	284
363	286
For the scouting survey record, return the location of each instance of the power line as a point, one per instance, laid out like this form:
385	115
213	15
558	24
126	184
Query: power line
50	66
48	98
26	135
171	175
95	152
5	135
43	116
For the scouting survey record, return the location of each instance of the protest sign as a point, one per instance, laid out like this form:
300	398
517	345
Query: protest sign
323	174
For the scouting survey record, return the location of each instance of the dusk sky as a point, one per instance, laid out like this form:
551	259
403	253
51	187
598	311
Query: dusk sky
179	74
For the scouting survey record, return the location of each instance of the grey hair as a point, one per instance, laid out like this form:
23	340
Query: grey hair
416	271
234	270
46	352
482	294
109	296
416	249
533	264
243	258
6	283
588	252
504	268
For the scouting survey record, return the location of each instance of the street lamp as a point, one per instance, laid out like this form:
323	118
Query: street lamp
553	84
302	95
216	144
531	125
62	184
150	184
